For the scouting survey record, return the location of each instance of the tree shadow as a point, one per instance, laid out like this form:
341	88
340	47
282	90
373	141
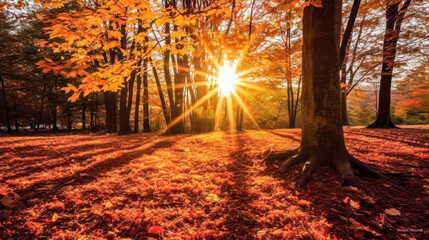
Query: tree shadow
238	221
421	141
49	189
294	137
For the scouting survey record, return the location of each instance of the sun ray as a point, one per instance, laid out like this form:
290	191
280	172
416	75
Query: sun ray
247	85
218	113
243	106
209	52
245	94
230	114
191	108
248	71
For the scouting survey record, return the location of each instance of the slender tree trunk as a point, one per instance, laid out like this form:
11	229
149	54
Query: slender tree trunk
16	117
344	115
167	74
137	106
91	119
54	108
124	116
160	93
349	29
96	117
84	116
322	141
146	123
41	109
9	128
394	18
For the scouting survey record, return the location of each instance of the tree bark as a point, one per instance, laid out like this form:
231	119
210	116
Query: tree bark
322	141
394	18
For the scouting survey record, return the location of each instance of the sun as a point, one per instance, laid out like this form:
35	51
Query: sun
227	79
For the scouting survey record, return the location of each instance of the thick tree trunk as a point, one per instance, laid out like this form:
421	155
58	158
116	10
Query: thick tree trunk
9	127
110	102
322	141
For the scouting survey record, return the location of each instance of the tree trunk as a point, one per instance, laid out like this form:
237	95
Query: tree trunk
322	141
54	108
84	116
9	127
394	18
146	125
110	102
41	109
137	106
124	116
91	119
161	94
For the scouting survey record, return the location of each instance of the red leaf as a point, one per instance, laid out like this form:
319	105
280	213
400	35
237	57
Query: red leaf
156	230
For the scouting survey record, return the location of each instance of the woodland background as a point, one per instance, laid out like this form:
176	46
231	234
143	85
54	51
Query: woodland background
142	62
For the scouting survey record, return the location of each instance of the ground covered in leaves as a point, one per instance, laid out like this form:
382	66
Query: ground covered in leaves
210	186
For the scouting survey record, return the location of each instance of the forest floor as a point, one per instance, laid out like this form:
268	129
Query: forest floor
210	186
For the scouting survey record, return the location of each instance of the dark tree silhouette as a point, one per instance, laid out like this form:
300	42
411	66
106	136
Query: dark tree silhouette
394	18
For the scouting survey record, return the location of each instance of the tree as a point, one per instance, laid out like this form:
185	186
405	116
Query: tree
6	56
394	18
322	140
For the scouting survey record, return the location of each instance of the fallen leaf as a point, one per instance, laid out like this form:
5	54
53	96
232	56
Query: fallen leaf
10	200
108	204
369	199
156	230
359	230
212	198
351	188
393	212
54	217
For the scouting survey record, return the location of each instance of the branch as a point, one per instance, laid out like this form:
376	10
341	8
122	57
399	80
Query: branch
349	29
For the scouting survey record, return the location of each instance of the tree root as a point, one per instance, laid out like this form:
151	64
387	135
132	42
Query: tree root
281	155
346	169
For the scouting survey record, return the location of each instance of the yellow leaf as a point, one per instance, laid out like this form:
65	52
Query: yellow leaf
212	198
108	204
54	217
